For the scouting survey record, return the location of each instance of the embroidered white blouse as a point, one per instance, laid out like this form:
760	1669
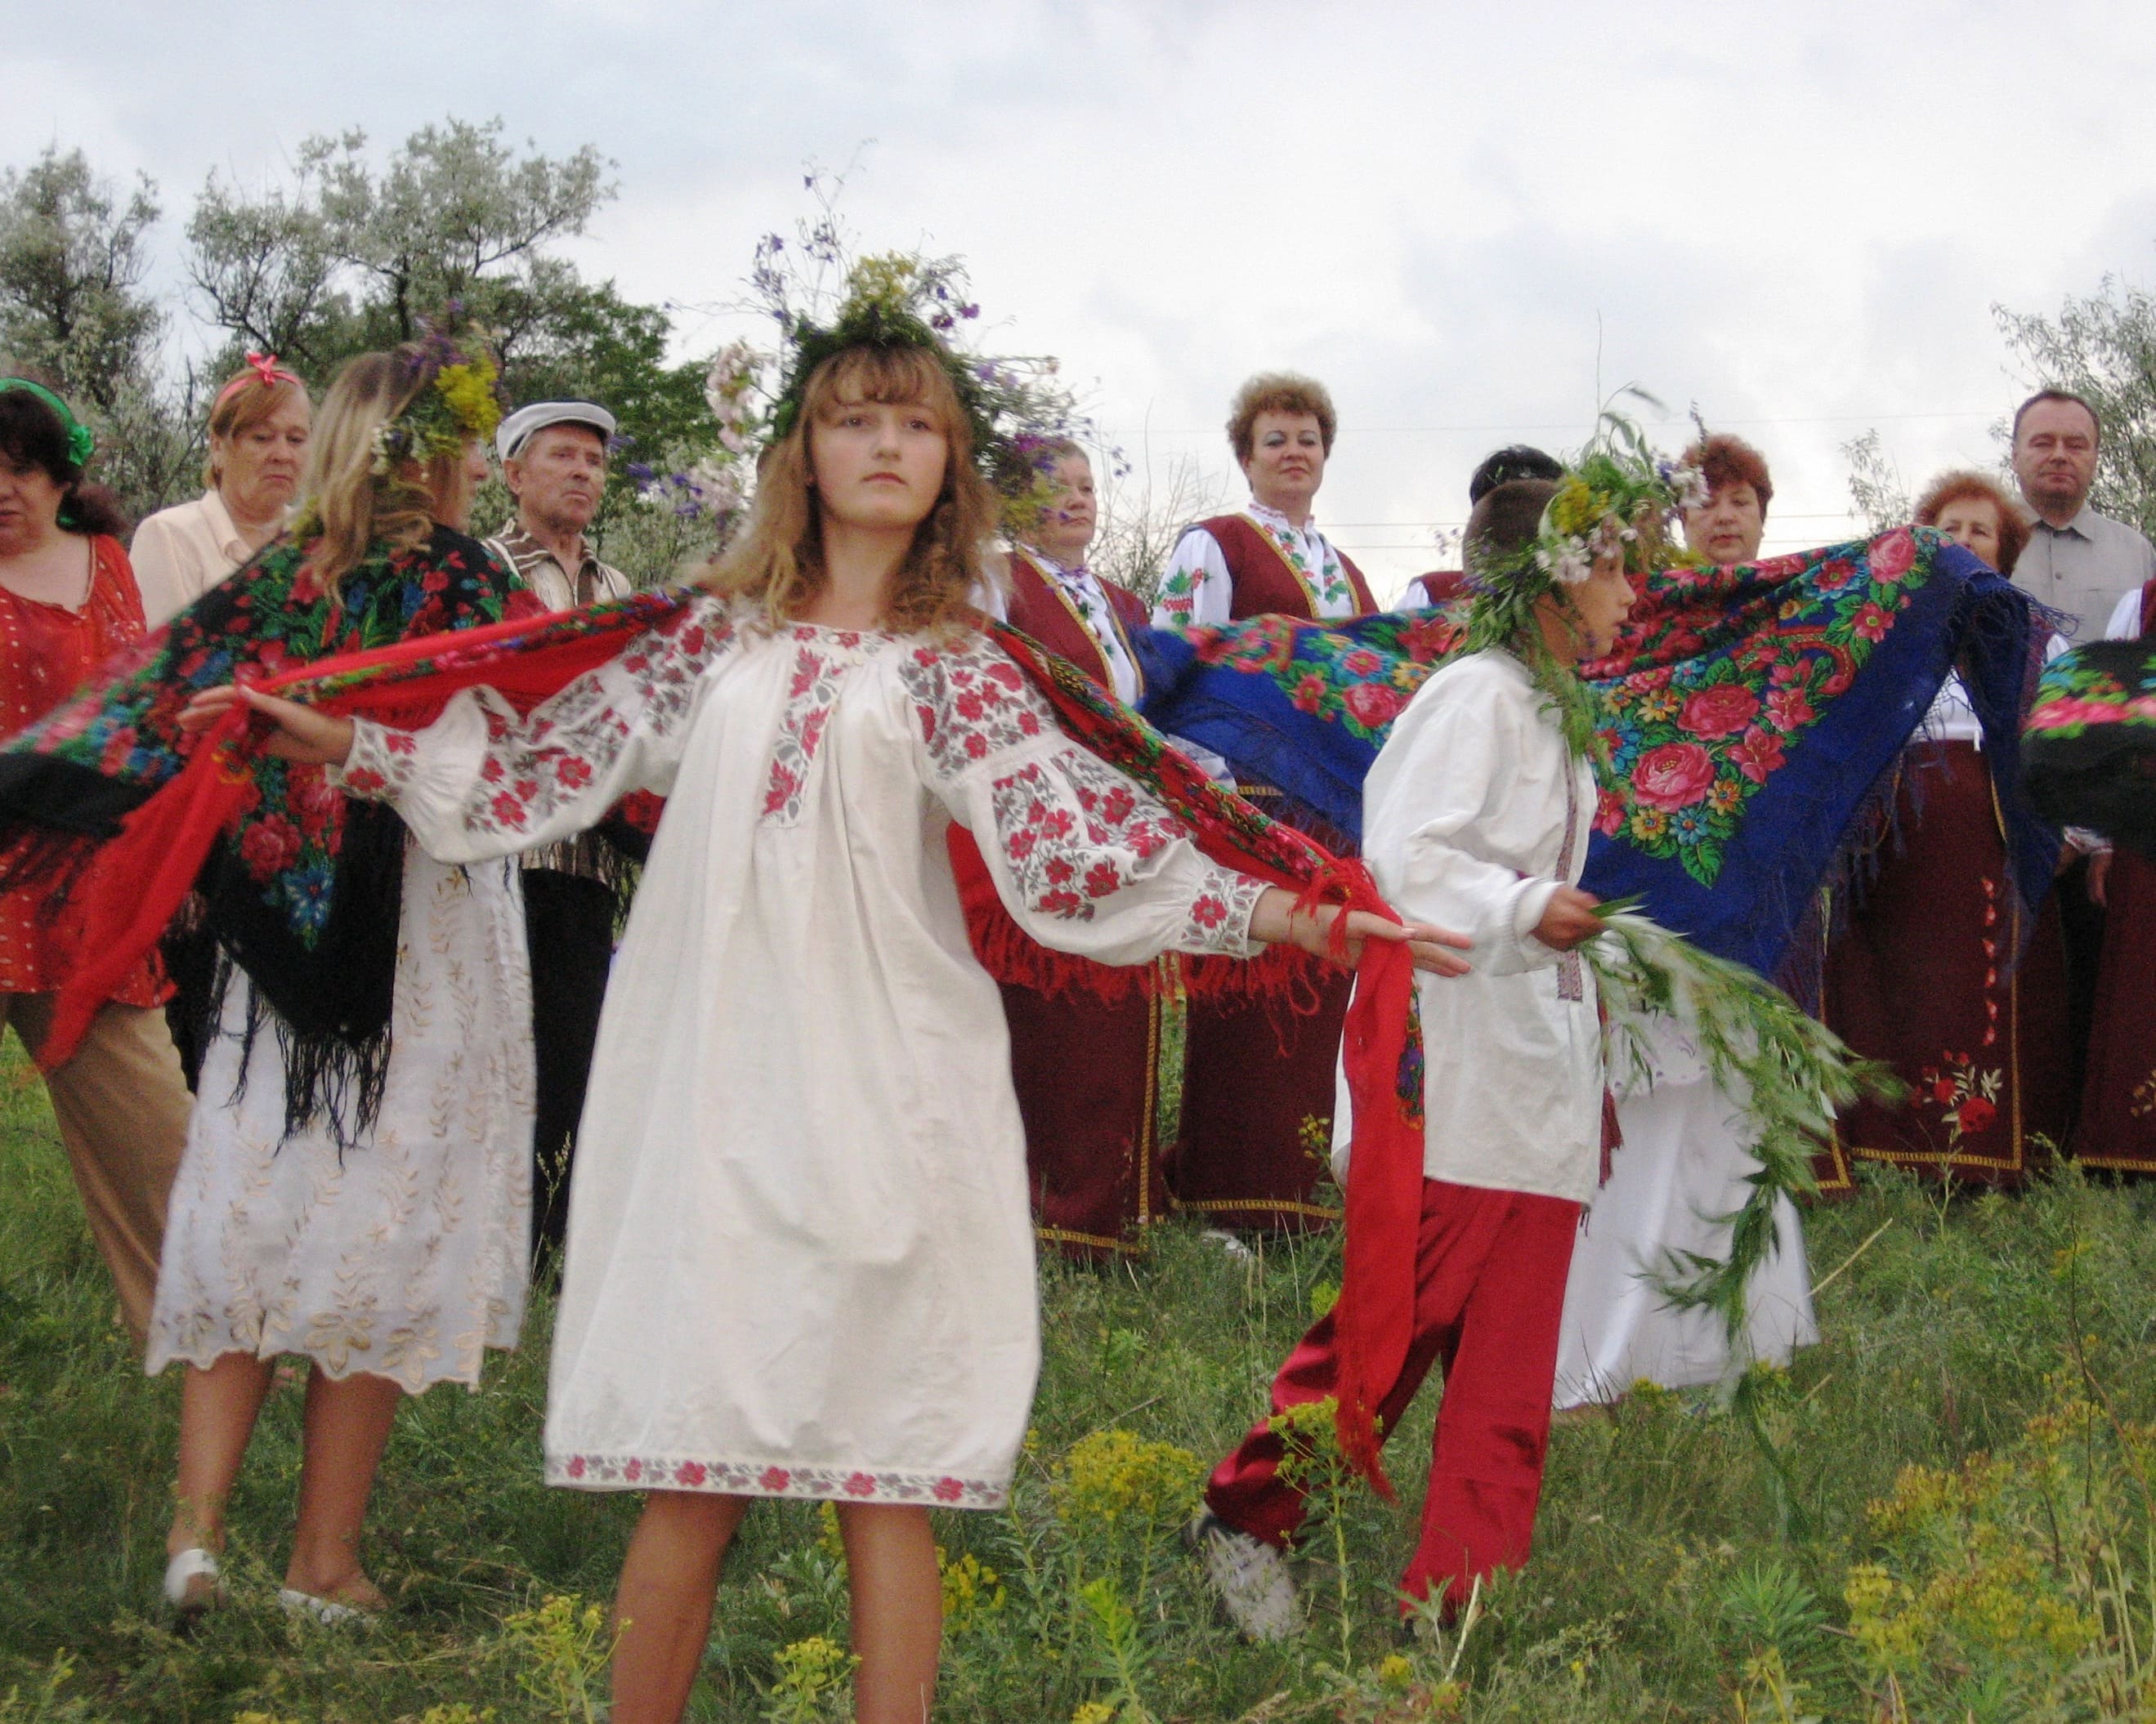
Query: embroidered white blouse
1089	599
1473	814
1198	589
800	1259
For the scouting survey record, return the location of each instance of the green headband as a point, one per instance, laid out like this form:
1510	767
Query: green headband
81	445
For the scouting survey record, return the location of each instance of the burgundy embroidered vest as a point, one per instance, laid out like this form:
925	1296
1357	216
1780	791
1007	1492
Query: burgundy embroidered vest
1265	586
1039	609
2147	606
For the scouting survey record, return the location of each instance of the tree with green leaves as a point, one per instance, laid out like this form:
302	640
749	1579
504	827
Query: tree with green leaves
350	256
73	259
2103	348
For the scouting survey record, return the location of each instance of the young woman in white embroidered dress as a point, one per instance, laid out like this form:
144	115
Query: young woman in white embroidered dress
799	1259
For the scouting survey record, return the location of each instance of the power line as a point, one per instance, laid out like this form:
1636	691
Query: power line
1572	425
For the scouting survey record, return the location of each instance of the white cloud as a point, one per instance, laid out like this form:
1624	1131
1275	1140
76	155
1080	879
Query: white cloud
1797	218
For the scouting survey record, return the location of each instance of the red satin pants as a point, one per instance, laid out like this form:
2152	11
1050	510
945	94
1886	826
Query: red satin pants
1490	1272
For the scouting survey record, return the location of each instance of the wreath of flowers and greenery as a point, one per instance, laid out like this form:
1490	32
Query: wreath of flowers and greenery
460	403
1616	495
825	295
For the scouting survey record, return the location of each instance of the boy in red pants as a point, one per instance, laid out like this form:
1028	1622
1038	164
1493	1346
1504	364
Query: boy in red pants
1476	816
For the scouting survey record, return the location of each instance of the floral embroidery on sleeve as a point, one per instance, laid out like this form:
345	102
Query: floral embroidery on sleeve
1180	587
383	762
533	768
972	704
1074	831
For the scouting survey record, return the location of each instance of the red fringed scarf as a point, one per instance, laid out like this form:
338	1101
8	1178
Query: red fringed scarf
132	890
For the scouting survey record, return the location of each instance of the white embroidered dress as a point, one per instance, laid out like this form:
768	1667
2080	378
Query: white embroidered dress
404	1255
800	1260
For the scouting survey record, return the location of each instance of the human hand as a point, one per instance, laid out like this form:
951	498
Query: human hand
1569	920
1434	949
2099	873
300	733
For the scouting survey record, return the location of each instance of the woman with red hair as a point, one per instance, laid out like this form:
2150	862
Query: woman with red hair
1930	975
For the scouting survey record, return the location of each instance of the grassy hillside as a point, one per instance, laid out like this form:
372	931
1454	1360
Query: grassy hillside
2001	1348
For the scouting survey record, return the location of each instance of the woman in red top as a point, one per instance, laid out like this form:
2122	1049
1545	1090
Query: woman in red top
67	602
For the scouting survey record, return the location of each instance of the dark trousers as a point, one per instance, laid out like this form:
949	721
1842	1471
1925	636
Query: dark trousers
2082	920
569	923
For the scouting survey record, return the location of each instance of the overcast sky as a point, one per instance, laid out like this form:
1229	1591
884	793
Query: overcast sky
1465	218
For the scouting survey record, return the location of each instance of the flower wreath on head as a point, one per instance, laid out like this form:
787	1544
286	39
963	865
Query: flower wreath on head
897	301
460	403
1616	495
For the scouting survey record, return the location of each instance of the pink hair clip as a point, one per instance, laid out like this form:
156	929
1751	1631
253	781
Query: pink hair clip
266	372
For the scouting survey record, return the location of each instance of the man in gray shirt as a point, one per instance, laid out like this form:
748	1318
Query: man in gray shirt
2079	562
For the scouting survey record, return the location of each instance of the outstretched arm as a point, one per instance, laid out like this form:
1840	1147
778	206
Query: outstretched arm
1086	859
484	780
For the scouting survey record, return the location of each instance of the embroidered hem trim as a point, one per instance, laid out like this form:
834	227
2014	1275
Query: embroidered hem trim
760	1478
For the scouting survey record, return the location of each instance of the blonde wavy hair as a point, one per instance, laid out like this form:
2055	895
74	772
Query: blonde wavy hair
776	564
344	505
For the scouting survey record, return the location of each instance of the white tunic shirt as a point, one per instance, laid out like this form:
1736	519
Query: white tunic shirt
1198	589
800	1259
1473	814
180	553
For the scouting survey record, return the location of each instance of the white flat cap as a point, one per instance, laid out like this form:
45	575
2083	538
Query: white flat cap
515	431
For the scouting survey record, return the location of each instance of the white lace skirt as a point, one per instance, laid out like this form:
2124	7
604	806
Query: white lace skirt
404	1256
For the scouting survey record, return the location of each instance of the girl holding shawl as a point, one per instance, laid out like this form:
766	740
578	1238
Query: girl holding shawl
799	1261
355	1181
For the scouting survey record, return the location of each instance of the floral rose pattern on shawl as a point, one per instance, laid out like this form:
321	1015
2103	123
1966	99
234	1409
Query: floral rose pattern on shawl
2092	740
269	617
1724	674
1751	713
1361	682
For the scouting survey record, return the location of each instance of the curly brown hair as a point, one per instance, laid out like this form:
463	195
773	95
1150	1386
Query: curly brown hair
1279	392
1966	482
777	563
1723	459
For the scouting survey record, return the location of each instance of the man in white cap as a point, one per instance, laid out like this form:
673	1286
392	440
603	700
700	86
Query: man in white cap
554	462
554	459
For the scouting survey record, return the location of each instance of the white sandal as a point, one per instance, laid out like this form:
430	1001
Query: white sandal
183	1572
327	1612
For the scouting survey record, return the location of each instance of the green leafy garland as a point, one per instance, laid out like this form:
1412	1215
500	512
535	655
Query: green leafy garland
1793	1073
1017	409
1616	495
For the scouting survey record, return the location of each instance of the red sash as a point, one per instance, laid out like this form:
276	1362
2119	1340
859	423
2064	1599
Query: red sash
1266	584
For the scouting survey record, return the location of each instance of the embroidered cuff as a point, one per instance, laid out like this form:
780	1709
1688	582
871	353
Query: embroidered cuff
1219	922
382	765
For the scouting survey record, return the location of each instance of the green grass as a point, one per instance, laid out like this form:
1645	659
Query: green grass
1670	1579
